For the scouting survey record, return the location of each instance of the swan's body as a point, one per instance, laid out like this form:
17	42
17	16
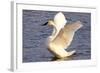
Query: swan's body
58	45
62	36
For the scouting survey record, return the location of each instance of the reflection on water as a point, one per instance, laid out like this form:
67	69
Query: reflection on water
62	59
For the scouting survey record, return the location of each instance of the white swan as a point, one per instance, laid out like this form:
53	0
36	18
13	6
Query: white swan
62	35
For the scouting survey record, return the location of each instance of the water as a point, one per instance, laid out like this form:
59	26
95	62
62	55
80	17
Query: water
34	36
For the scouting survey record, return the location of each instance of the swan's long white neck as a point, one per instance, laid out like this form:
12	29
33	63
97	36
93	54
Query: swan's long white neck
54	33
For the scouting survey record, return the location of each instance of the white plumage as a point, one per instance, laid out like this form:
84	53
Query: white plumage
62	35
60	20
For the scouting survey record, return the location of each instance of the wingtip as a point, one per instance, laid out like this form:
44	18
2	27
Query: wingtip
61	13
79	22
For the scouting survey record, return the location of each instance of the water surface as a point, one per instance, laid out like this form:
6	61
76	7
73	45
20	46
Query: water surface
34	36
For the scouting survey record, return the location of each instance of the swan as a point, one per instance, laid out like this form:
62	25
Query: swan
61	36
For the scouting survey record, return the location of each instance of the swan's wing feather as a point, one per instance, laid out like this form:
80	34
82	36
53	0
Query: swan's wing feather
73	26
60	19
66	34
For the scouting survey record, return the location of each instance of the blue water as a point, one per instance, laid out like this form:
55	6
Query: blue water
34	36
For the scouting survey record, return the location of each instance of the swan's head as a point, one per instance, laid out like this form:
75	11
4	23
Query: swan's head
49	23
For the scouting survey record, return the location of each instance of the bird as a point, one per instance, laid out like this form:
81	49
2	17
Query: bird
62	35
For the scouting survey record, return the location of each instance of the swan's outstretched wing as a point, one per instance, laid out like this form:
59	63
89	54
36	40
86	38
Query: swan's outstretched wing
73	26
60	20
64	39
65	36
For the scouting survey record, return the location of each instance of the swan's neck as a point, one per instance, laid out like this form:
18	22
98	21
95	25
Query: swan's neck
54	33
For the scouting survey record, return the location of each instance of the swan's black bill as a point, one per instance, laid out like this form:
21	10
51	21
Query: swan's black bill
45	24
69	19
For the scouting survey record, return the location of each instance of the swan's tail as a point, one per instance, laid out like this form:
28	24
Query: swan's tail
71	52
